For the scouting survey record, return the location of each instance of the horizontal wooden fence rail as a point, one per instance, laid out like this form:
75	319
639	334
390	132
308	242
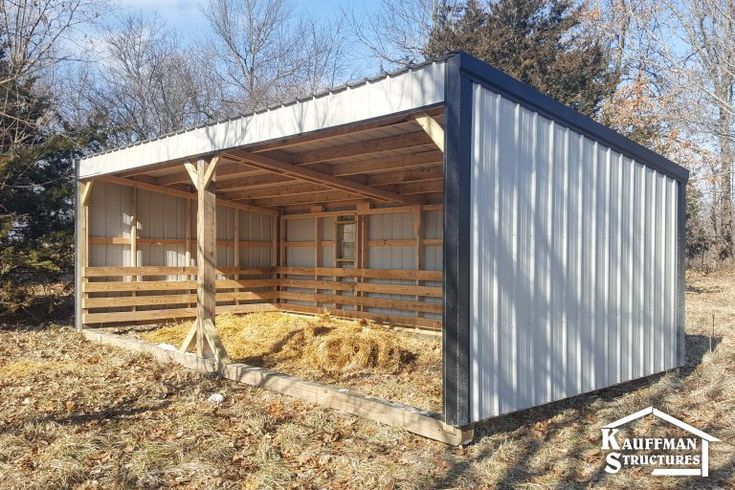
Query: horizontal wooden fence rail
120	240
134	294
108	292
401	274
168	271
335	288
429	242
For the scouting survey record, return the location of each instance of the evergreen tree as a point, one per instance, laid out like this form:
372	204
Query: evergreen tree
541	42
36	201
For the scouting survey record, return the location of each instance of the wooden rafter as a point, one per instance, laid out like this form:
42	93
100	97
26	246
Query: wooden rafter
379	165
313	176
180	193
367	147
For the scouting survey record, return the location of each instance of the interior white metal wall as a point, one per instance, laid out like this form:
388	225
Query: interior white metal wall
390	226
573	262
162	217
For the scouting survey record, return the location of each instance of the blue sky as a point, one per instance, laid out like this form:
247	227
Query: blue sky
185	16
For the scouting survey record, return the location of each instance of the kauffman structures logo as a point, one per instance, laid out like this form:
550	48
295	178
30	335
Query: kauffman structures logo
668	456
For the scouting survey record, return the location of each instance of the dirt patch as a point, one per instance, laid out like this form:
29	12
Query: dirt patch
361	355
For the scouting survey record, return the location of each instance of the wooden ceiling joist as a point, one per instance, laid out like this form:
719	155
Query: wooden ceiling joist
378	165
407	175
180	193
367	147
354	128
307	198
275	191
315	177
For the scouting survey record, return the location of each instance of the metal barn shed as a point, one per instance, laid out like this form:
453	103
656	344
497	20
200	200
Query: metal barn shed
546	248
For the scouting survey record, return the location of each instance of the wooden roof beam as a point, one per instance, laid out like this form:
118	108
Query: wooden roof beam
367	147
315	177
136	184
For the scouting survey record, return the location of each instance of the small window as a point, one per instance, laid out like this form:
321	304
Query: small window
346	239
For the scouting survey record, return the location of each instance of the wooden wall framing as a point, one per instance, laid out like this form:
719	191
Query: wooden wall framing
138	292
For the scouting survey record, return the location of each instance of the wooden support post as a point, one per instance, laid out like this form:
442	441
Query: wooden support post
84	198
282	247
134	238
274	252
317	245
418	229
236	246
203	331
362	242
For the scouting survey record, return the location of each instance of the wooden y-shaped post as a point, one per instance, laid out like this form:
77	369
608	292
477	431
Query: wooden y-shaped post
203	333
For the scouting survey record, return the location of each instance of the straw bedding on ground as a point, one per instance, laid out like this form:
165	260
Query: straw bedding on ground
78	415
371	358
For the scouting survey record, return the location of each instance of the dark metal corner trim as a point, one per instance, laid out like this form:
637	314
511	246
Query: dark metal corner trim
456	258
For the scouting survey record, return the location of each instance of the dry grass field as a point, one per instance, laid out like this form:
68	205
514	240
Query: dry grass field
74	414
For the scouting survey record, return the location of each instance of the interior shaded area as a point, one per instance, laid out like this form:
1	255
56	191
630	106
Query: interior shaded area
347	219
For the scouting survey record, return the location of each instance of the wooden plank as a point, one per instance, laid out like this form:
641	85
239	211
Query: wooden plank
84	237
367	287
367	147
119	286
191	170
365	211
371	243
308	198
387	164
392	319
402	289
211	168
290	189
206	254
422	174
171	299
168	271
418	229
215	343
86	192
433	129
116	240
411	306
252	182
225	170
168	314
389	413
179	193
404	274
313	176
312	284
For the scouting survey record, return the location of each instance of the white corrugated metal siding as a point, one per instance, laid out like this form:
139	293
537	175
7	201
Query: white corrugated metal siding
412	89
573	262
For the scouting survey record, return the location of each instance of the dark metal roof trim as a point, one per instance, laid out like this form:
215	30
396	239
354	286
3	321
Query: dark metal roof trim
531	98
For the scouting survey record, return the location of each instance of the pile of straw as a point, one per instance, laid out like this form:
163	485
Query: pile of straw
323	343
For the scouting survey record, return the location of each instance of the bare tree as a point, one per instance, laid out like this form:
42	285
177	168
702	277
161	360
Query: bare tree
147	84
264	52
398	33
36	35
696	48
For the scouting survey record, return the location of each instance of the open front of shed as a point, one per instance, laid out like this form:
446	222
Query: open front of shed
544	248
